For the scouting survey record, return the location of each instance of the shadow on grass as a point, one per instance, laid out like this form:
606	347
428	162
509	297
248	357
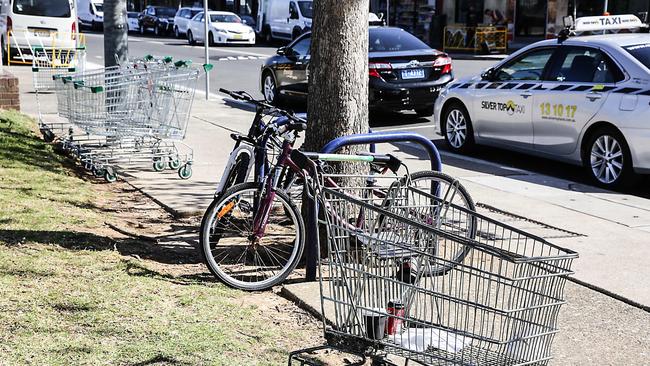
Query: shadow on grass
167	250
136	269
160	360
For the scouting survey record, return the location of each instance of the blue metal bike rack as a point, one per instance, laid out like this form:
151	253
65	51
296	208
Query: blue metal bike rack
312	251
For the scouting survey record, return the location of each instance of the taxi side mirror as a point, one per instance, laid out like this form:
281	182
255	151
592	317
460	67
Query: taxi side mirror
488	74
282	51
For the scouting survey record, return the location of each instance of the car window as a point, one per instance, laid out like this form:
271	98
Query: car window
132	15
99	6
585	65
393	40
301	48
293	11
306	8
224	18
166	12
193	13
199	18
151	11
52	8
181	13
640	52
529	66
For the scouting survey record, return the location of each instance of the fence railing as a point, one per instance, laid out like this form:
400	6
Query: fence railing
21	44
476	39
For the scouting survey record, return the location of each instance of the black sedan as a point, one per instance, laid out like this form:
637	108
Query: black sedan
158	18
405	73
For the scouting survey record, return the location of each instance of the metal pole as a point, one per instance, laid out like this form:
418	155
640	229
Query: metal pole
387	12
206	19
606	6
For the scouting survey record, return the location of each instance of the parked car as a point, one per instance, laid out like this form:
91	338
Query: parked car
182	20
223	28
284	19
583	100
30	23
158	18
132	21
91	13
404	72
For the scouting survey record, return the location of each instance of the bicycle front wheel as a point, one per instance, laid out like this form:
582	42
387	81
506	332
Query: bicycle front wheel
228	248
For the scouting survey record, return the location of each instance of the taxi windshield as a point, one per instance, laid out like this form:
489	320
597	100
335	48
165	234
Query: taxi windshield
641	52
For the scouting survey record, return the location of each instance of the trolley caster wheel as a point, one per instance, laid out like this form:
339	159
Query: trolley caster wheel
110	176
185	172
158	165
99	172
174	164
48	135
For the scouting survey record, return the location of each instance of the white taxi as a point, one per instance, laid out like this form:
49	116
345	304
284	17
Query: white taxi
580	99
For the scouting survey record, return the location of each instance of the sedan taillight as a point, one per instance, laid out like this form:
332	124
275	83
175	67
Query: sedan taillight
375	67
445	63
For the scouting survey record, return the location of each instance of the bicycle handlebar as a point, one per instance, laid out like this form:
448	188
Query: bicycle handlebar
296	123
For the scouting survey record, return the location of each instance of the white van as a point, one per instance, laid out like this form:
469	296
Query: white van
91	13
284	19
26	24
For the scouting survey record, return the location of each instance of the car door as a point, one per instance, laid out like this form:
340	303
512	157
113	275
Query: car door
579	82
503	104
180	21
292	76
197	27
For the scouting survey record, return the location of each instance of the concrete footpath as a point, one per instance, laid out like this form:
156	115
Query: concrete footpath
610	231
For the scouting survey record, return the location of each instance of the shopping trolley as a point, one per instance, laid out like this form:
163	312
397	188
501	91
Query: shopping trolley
48	66
392	288
129	115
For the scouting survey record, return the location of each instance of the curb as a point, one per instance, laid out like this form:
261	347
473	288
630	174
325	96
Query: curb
316	313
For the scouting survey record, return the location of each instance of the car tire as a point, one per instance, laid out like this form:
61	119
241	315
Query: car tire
6	54
607	158
424	112
269	87
156	30
141	29
268	35
296	33
190	38
210	39
456	126
177	34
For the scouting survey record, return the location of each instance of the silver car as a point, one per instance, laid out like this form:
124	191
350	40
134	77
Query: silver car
584	100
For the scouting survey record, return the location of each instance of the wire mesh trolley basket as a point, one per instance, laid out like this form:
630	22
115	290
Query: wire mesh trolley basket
394	287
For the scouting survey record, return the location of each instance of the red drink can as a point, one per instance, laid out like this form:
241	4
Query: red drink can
395	309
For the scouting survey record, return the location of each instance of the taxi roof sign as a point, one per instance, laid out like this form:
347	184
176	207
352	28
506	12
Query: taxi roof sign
607	22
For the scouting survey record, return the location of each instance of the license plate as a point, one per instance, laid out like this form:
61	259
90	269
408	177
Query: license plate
413	74
238	36
41	33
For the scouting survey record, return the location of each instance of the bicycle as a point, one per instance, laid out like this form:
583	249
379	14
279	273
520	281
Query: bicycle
263	230
250	152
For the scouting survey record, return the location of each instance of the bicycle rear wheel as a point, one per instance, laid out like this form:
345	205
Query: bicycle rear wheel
227	246
438	200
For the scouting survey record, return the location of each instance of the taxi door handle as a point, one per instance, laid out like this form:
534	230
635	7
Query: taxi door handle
526	94
594	96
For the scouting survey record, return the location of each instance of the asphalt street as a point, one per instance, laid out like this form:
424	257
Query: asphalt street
238	68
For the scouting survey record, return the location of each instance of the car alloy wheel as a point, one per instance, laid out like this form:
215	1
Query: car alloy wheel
607	159
269	88
456	128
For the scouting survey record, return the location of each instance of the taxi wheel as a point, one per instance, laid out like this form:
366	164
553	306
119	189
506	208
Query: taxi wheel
457	128
269	87
607	158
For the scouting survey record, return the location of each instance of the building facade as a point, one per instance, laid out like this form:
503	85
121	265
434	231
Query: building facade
537	19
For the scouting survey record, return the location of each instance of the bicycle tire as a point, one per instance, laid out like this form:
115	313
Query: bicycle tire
207	239
239	171
468	204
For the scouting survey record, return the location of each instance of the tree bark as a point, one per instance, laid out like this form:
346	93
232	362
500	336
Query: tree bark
338	71
116	42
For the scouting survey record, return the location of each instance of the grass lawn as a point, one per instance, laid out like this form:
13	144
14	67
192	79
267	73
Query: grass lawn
68	298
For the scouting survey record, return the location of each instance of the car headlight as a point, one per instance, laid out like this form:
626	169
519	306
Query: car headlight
220	30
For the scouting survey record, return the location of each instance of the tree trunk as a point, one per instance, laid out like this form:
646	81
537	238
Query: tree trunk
338	90
338	71
115	32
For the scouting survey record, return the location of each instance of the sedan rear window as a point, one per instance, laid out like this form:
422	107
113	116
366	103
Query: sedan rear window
640	52
43	8
394	40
